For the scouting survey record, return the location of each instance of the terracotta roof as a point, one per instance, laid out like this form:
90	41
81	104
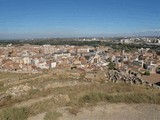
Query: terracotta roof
153	78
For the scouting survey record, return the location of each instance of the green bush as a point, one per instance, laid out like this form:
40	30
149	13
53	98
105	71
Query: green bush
147	73
14	114
158	70
111	66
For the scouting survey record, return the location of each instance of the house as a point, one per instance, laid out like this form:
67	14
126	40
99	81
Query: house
26	68
17	59
43	65
152	67
152	79
83	49
10	65
26	60
62	54
53	64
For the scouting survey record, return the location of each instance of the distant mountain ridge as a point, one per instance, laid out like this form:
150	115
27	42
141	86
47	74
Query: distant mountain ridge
152	33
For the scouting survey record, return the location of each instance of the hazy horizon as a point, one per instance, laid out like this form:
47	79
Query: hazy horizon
22	19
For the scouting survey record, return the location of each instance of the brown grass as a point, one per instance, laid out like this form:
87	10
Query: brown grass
84	94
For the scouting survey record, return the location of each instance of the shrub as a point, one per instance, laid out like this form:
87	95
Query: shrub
147	73
14	114
93	97
111	66
158	70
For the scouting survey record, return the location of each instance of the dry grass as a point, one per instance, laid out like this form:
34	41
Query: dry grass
76	92
73	110
14	114
94	97
52	116
20	76
94	93
81	95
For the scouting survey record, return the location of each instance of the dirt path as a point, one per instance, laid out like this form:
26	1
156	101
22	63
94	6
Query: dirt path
115	112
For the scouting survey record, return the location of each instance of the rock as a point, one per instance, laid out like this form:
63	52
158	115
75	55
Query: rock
62	98
66	98
116	76
4	96
18	90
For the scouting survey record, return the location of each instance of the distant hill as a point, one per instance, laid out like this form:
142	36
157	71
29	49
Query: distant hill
148	33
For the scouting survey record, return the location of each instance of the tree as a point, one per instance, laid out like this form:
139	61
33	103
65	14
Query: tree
111	65
158	70
147	73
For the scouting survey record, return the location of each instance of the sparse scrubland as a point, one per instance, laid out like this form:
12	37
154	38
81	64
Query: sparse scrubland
74	97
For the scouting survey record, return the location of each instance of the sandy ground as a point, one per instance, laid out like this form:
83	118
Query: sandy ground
37	117
115	112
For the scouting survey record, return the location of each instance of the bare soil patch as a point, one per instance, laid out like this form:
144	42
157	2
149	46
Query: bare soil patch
114	112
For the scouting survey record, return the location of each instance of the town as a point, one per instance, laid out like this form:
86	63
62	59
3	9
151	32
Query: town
138	66
79	60
50	81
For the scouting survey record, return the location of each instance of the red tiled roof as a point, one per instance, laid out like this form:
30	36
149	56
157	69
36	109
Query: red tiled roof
153	78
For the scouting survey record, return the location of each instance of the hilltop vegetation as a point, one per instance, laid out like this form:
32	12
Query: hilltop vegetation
80	42
54	92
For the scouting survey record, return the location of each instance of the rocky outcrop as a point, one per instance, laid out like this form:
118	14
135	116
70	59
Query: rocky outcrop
116	76
18	90
4	96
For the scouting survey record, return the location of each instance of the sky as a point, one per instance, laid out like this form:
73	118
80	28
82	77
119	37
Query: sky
77	18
